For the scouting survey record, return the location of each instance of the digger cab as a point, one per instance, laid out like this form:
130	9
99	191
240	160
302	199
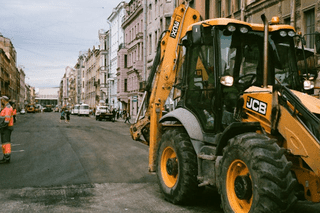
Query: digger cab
221	58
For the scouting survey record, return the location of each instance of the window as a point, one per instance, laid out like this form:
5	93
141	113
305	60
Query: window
155	39
150	12
287	21
229	7
238	4
125	85
125	61
219	8
310	25
207	9
168	20
150	44
161	27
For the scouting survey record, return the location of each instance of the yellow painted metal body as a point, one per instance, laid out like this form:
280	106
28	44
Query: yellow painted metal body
254	27
236	169
258	104
165	77
297	139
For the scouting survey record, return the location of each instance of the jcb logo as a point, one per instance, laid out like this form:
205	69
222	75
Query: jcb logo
175	27
256	105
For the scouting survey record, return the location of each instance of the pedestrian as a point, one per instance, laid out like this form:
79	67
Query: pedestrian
67	115
14	113
6	117
62	115
124	114
127	117
118	113
114	112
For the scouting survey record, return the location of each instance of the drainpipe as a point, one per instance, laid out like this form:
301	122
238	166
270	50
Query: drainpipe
109	87
293	13
145	39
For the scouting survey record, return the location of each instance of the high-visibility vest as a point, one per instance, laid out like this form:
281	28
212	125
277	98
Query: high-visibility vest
7	114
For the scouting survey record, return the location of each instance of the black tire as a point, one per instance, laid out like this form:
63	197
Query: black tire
184	187
268	185
96	118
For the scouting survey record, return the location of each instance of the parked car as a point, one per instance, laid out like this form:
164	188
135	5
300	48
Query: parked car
23	111
103	112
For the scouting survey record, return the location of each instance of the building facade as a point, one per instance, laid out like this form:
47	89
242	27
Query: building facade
9	74
47	96
130	57
91	77
79	72
116	39
22	93
69	87
104	39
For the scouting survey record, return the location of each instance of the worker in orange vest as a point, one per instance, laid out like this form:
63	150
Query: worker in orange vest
6	124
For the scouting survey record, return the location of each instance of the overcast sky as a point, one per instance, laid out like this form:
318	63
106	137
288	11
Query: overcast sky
48	34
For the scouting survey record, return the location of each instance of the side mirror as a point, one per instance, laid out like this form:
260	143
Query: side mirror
196	34
317	41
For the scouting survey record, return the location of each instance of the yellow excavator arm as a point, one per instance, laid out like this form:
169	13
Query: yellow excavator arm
162	78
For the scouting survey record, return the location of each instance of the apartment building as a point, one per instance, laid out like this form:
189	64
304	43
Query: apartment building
158	19
116	38
130	58
9	74
68	84
22	93
91	77
47	96
104	39
79	71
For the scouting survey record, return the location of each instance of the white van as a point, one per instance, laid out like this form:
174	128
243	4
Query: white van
75	110
84	110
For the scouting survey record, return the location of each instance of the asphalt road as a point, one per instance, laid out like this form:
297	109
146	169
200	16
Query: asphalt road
86	166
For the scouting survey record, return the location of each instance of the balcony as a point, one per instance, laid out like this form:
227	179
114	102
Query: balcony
142	86
103	85
139	35
122	46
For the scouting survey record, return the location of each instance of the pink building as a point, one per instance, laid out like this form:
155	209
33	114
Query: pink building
130	57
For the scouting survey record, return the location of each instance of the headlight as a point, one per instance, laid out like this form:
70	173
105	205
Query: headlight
291	33
307	85
244	29
226	80
231	28
283	33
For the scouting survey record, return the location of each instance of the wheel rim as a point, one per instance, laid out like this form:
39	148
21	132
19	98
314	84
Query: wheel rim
239	187
169	167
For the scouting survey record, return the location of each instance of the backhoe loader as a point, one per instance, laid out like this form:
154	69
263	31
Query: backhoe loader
242	124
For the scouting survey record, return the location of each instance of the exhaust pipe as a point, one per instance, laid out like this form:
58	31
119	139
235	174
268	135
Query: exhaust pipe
265	53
